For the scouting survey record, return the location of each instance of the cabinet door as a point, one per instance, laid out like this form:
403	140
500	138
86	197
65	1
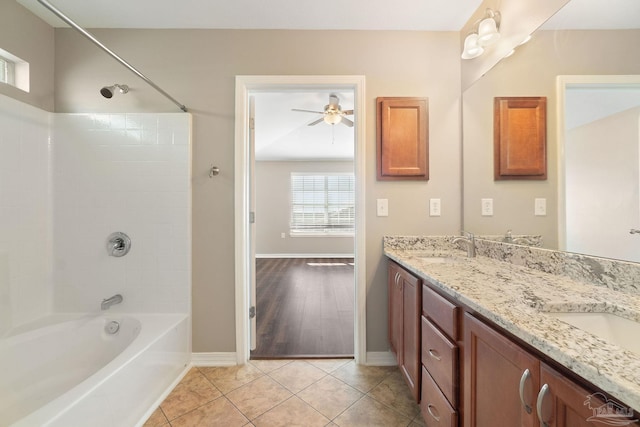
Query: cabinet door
495	369
412	309
395	310
403	138
566	404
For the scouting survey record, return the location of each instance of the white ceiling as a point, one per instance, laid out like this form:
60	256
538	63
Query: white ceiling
282	134
418	15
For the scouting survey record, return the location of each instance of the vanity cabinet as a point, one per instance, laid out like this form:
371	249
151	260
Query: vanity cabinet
505	385
440	364
405	299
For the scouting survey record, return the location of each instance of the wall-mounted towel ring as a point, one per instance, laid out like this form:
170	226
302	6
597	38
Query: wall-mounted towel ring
214	171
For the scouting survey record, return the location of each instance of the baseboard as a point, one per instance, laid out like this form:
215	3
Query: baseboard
214	359
304	255
381	358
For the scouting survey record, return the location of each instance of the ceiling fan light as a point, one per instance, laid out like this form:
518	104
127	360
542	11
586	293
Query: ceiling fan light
471	47
332	118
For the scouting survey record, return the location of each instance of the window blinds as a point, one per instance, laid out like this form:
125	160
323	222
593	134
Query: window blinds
322	203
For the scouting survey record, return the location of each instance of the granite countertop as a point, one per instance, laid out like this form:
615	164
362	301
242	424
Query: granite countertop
515	298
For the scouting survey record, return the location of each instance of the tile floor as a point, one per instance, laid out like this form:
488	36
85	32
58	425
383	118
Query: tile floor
269	393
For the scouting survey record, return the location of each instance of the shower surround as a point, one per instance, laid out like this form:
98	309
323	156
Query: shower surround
67	181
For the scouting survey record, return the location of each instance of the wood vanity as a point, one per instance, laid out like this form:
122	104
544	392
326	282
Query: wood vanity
465	370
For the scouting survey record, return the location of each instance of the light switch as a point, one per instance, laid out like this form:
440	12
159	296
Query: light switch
434	207
540	207
487	207
382	207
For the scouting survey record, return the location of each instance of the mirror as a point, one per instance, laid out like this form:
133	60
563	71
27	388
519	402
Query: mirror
585	38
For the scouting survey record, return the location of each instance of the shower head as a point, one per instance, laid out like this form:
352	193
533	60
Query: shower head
108	91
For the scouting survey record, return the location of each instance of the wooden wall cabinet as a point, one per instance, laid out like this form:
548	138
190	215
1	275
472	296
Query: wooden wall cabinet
520	138
402	138
405	299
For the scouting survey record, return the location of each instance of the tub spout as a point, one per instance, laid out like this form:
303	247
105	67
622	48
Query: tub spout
108	302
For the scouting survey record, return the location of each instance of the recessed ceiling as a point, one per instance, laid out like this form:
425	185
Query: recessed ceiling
596	15
416	15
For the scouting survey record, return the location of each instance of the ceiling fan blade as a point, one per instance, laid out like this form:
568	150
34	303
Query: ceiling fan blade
315	122
347	122
348	112
307	111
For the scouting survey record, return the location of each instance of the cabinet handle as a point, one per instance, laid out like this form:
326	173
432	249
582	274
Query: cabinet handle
430	409
397	278
526	375
543	392
434	354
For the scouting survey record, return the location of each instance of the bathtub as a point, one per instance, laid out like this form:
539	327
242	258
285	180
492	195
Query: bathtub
69	370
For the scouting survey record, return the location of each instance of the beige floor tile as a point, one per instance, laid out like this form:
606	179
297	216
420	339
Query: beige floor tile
156	419
230	378
330	396
194	390
394	392
291	413
329	365
297	375
267	366
368	412
364	378
219	412
418	421
257	397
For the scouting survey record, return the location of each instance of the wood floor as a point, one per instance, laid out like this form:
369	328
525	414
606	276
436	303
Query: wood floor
304	307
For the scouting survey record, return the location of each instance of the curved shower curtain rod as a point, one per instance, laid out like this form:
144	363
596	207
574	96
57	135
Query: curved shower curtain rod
88	35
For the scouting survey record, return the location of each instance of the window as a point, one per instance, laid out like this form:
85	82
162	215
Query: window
322	204
7	71
14	71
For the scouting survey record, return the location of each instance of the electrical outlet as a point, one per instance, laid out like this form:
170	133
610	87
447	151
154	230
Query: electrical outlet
540	207
434	207
382	207
487	207
283	235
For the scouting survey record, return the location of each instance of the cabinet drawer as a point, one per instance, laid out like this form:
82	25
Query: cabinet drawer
440	357
440	311
435	409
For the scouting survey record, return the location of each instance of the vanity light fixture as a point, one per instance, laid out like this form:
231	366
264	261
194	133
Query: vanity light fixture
487	31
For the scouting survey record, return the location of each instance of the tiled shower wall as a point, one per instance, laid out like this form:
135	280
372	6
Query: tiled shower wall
25	241
127	173
69	180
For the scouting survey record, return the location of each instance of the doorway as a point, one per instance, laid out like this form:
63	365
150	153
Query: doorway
245	273
599	176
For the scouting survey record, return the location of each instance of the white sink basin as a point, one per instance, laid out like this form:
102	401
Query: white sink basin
614	329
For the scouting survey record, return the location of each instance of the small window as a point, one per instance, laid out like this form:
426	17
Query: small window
322	204
7	71
14	71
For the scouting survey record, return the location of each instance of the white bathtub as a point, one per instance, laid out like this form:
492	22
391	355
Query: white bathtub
69	371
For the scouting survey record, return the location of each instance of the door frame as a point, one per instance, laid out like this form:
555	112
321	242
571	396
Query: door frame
245	84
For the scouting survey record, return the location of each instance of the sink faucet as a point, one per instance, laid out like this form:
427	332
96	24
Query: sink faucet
470	242
108	302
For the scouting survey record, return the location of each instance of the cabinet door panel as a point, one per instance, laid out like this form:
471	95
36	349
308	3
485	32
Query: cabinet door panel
395	311
411	288
494	367
569	405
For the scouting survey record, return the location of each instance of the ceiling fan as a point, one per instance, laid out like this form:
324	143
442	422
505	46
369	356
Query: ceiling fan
332	114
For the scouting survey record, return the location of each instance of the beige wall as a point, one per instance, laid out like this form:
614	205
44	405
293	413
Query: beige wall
531	71
31	39
198	67
273	210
